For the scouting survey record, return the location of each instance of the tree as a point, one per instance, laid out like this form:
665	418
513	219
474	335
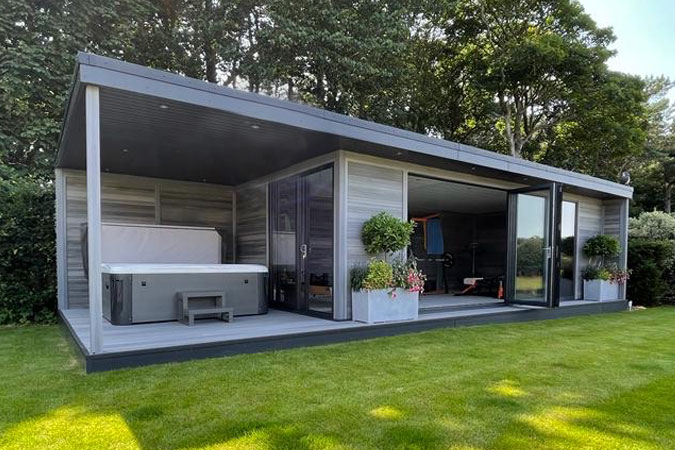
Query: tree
604	131
530	55
344	56
655	171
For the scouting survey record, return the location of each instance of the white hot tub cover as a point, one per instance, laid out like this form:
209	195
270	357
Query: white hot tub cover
181	268
124	243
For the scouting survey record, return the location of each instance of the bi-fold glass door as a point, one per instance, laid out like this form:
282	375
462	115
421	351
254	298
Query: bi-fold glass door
301	242
533	246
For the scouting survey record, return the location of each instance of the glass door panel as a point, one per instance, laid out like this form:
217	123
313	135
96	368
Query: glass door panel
301	242
532	247
534	230
318	238
283	242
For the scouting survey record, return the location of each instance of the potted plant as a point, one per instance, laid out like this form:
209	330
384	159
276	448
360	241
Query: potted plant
602	280
385	291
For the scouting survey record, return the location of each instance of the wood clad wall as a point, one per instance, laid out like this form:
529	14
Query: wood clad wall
128	199
370	190
612	218
251	225
589	223
197	204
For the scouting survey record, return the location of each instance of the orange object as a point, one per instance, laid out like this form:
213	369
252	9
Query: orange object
500	292
424	220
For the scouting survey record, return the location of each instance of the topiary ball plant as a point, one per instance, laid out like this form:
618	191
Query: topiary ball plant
600	247
384	234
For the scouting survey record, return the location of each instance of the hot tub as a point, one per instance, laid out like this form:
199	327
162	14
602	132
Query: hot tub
139	293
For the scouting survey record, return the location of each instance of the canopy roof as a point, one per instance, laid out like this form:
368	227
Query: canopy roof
159	124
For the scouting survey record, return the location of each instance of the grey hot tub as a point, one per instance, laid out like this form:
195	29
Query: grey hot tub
137	293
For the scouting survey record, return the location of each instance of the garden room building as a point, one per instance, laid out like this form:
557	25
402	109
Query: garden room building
172	191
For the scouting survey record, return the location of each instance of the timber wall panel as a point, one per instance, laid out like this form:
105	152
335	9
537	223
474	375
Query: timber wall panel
130	199
589	224
251	218
199	205
370	190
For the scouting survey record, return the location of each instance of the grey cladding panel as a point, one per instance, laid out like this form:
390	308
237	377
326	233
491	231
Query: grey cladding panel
370	190
251	220
590	213
199	205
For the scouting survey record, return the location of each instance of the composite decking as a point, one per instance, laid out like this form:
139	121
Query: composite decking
141	344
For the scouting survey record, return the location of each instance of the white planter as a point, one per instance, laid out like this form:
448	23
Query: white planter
380	306
600	290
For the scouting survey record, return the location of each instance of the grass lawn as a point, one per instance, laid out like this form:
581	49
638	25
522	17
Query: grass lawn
604	381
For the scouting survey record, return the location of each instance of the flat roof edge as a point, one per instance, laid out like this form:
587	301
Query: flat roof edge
302	116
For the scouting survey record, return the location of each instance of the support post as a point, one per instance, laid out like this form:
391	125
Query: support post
93	132
623	239
61	258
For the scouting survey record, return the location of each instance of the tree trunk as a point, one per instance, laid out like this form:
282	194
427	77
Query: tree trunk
666	199
209	51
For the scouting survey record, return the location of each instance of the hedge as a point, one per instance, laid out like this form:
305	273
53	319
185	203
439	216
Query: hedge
27	251
650	262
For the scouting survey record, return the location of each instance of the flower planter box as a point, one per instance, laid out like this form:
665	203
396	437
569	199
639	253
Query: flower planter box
379	306
600	290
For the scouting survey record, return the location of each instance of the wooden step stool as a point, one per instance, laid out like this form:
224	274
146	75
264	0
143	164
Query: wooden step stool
187	313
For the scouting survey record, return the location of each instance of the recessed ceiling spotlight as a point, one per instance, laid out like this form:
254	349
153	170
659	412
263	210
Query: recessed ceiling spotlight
399	153
163	106
255	127
125	150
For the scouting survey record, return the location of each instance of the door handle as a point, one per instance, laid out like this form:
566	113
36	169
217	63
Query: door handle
303	251
548	251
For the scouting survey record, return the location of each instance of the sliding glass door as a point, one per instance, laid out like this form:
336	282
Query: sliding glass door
301	242
533	254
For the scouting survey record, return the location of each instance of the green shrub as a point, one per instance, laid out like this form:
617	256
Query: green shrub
652	225
27	251
650	262
596	273
379	274
601	247
384	234
529	256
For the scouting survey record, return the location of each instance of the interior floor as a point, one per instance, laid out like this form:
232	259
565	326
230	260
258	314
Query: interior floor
442	301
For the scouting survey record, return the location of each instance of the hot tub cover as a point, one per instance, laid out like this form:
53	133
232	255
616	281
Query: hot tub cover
181	268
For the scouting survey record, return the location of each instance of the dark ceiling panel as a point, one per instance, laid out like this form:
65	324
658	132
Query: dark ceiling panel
148	136
155	137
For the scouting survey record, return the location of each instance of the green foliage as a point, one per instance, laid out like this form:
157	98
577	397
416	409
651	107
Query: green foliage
603	130
27	260
651	265
652	225
654	172
408	276
384	234
596	273
378	274
529	256
602	246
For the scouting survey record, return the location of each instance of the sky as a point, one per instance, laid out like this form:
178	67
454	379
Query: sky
645	35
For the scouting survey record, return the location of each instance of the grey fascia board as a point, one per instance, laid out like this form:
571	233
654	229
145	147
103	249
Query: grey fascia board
71	101
121	75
